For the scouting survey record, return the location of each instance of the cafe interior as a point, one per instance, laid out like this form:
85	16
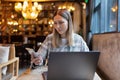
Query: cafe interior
26	23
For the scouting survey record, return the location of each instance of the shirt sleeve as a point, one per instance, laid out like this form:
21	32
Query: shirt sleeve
43	48
84	46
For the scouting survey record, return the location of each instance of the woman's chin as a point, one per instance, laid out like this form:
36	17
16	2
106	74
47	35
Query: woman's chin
60	33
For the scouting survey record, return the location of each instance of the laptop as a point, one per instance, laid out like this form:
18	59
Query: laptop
72	65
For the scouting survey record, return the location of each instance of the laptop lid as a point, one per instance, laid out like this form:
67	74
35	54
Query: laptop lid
72	65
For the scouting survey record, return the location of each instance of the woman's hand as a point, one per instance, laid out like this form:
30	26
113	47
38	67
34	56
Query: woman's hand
36	60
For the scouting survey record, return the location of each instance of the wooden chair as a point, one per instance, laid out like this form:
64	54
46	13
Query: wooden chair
12	65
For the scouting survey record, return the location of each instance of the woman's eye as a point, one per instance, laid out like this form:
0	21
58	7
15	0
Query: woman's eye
61	22
58	23
55	23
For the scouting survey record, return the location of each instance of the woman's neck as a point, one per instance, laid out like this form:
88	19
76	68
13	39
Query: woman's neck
63	35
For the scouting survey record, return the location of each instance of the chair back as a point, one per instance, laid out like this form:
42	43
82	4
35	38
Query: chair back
11	51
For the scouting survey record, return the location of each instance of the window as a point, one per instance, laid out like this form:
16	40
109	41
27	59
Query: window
112	15
104	16
95	21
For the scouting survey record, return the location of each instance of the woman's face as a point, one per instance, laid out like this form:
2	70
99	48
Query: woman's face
61	25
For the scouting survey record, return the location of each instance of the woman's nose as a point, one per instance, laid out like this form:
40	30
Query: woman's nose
57	26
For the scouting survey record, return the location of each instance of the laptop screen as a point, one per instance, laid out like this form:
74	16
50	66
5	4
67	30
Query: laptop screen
72	65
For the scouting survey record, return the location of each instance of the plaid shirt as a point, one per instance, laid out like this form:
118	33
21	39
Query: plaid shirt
46	47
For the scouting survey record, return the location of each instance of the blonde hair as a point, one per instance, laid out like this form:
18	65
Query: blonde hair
56	36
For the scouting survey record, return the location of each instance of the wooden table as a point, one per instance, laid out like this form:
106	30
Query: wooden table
35	74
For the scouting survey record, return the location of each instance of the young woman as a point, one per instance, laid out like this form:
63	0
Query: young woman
62	39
